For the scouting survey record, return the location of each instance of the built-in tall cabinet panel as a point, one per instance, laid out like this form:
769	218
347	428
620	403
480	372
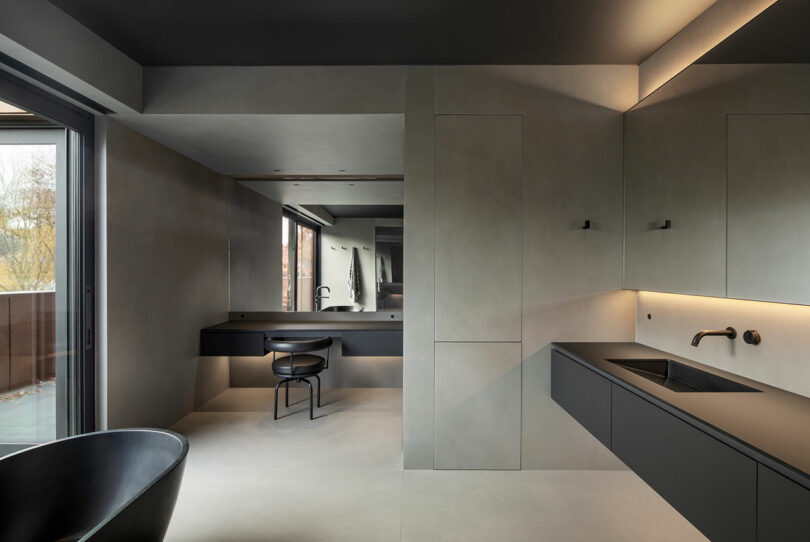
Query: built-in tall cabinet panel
768	202
723	153
572	206
479	184
477	406
675	200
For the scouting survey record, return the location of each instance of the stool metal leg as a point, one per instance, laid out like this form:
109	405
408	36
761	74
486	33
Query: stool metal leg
275	400
287	394
319	390
311	417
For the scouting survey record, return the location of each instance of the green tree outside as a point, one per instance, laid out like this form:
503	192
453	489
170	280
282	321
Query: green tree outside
28	220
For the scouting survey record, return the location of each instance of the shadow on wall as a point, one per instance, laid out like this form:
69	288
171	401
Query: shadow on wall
523	90
550	437
213	377
734	83
572	446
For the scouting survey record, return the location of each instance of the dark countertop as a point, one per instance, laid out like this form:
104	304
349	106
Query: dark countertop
772	427
313	325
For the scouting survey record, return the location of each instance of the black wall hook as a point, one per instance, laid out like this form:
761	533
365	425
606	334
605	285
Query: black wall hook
667	225
587	225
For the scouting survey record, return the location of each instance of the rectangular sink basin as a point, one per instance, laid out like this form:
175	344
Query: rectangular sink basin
679	377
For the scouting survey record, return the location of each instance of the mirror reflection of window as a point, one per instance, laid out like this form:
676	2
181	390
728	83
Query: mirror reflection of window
305	268
286	277
388	248
299	257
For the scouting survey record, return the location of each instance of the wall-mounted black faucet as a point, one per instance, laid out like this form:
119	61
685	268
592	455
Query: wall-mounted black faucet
729	332
667	225
587	225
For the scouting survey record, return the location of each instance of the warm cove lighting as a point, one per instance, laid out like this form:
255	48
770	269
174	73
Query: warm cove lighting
718	22
669	321
723	304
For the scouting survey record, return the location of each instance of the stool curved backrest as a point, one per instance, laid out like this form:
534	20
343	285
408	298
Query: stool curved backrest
285	367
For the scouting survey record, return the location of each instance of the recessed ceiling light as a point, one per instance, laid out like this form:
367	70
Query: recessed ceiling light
276	170
351	184
297	184
342	170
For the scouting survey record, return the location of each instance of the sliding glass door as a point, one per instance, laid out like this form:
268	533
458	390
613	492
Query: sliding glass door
46	342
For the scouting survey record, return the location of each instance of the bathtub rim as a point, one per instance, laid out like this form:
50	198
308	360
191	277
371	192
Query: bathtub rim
109	517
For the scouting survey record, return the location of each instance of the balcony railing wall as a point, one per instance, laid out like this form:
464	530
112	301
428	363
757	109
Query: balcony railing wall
27	338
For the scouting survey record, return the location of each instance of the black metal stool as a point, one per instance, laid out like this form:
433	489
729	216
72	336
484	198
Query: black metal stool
298	366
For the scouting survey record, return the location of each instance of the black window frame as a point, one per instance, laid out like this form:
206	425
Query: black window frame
295	220
20	93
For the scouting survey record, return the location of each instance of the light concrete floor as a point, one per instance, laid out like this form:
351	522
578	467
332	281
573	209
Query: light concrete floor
340	477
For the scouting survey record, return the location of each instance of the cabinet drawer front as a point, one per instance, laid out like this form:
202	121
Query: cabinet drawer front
237	343
583	394
712	485
783	508
372	343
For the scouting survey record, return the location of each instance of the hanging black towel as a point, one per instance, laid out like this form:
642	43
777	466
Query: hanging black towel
354	277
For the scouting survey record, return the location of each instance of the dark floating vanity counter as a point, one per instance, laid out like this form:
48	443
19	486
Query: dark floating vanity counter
361	334
730	453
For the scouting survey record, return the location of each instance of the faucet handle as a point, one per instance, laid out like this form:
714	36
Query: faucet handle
751	336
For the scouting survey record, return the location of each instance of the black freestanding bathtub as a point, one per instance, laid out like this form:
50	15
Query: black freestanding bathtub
113	485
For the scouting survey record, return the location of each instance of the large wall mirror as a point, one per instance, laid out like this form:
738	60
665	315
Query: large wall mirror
339	241
717	169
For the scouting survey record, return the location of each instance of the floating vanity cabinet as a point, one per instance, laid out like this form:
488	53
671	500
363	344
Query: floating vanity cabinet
583	394
768	198
712	485
479	202
783	508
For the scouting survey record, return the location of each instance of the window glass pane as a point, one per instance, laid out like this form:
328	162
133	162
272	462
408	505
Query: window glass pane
34	350
305	268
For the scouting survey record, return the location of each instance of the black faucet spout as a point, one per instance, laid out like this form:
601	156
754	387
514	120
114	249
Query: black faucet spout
729	332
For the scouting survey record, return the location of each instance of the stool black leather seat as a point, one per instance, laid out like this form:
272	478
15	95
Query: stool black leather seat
302	364
298	366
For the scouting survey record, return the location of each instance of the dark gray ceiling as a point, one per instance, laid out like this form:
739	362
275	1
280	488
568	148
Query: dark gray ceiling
780	34
361	32
365	211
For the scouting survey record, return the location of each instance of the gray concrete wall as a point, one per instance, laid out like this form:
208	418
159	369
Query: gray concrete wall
263	90
254	229
166	276
571	172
